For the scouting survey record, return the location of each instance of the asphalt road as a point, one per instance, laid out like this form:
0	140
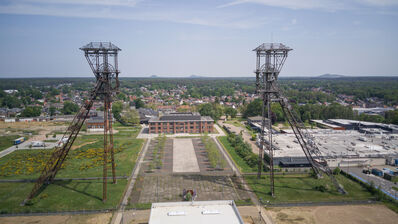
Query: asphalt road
25	145
379	182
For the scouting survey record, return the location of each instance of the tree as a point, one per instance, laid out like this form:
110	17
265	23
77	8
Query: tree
70	107
391	117
213	110
253	109
52	110
11	102
121	96
371	118
138	103
31	111
117	108
65	89
131	117
229	111
54	92
36	94
26	100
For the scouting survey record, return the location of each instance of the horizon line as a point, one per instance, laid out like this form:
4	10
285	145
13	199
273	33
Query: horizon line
200	76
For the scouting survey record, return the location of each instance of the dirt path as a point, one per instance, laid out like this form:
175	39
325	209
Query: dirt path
81	145
350	214
102	218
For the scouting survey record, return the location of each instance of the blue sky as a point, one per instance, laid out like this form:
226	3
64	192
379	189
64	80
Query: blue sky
207	38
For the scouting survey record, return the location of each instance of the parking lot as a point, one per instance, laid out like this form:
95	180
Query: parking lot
379	182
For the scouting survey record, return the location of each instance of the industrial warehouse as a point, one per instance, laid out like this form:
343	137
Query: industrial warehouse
343	143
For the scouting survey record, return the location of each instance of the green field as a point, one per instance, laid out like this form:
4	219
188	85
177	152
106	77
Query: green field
240	163
301	188
84	161
7	141
72	195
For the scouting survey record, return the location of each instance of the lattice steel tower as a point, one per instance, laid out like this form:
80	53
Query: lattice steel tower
269	62
102	58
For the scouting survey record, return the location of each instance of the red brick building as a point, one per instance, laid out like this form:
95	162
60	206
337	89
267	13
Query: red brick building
181	123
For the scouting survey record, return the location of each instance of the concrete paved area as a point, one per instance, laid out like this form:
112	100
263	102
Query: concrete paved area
184	157
166	188
25	146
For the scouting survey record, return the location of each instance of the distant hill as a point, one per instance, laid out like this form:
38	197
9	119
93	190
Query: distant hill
330	76
196	76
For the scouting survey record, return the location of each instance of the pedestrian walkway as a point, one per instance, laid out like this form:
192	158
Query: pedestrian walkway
184	157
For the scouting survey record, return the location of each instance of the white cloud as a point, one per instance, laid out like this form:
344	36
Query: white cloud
379	2
294	4
183	15
328	5
129	3
294	21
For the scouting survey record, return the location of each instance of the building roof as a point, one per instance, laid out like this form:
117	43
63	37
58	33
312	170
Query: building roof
147	111
326	124
189	116
180	116
256	118
100	46
95	120
272	47
208	212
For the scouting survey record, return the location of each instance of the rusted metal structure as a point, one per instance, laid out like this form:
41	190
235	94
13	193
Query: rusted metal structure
103	60
269	62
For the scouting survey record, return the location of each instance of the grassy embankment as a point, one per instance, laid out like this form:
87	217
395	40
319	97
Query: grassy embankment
85	160
305	188
239	161
7	141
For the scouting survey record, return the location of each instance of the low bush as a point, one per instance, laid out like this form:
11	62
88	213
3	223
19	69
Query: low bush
214	156
243	149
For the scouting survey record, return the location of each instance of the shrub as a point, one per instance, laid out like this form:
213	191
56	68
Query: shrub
213	153
320	188
243	149
336	171
188	196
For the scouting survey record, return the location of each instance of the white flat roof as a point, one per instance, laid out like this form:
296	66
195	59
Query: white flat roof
207	212
326	124
337	144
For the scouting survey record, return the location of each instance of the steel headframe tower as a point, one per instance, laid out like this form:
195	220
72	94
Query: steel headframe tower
103	61
269	62
102	58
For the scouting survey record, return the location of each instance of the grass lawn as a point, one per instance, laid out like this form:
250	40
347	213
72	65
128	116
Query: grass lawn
301	188
61	196
83	161
7	141
240	163
235	123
